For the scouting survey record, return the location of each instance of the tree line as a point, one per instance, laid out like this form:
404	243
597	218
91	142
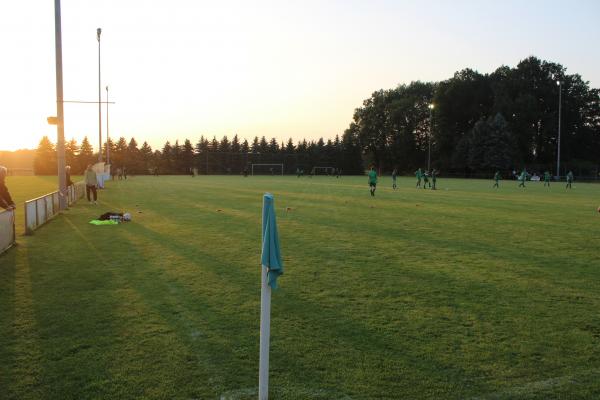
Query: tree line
224	156
504	120
470	123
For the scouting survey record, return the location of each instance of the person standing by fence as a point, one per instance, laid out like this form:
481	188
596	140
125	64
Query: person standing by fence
91	180
6	201
68	176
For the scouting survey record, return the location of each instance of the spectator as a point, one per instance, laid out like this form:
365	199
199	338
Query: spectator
5	200
68	176
91	180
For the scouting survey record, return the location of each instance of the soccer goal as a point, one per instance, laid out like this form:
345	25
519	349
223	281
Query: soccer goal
267	169
324	170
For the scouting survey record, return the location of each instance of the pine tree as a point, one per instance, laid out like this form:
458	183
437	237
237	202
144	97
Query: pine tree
214	145
187	155
289	148
263	145
133	161
255	145
165	159
245	148
202	145
235	144
178	167
146	158
85	156
44	162
224	146
273	146
71	151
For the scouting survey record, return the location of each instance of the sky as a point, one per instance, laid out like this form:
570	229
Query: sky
286	69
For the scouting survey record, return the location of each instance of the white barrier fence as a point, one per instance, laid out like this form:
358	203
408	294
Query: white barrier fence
7	229
76	192
40	210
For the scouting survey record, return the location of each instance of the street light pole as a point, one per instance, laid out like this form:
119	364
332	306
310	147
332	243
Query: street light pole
60	126
98	32
107	137
431	107
559	83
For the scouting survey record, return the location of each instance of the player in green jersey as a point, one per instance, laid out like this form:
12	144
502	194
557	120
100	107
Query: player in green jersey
372	180
419	175
546	179
496	179
522	178
569	180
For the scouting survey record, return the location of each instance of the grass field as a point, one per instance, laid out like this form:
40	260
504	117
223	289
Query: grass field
461	293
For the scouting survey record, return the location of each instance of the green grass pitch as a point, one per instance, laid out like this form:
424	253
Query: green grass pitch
461	293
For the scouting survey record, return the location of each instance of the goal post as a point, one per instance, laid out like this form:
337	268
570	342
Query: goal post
267	169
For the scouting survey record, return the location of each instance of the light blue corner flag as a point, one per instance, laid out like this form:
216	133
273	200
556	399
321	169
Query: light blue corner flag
271	255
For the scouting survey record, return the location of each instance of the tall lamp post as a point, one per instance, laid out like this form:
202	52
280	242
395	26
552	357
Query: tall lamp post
98	32
60	127
431	107
107	137
559	83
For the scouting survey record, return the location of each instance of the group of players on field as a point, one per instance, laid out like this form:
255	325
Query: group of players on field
524	175
426	175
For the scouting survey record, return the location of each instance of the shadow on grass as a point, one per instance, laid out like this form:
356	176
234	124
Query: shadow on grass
353	339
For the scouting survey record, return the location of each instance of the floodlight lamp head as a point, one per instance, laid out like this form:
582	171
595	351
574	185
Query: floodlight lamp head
431	106
558	83
98	32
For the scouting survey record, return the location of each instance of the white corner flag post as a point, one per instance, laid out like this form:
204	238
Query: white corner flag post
265	334
271	268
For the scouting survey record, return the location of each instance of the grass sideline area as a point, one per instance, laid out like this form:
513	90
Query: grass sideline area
461	293
23	188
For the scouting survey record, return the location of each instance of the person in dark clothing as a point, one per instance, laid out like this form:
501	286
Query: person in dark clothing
68	176
6	201
91	180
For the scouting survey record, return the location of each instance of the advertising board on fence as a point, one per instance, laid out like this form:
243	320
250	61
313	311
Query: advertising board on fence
39	210
7	229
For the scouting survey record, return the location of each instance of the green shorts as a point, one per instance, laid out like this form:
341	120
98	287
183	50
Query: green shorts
373	184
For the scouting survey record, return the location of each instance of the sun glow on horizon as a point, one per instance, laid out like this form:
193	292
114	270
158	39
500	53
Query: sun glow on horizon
190	68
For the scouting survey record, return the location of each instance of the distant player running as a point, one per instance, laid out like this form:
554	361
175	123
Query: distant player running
426	180
394	176
372	180
522	178
569	180
418	175
547	179
496	179
434	178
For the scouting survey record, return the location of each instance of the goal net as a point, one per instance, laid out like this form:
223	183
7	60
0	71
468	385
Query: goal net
267	169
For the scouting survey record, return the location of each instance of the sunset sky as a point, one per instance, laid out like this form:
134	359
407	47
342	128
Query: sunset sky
178	69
